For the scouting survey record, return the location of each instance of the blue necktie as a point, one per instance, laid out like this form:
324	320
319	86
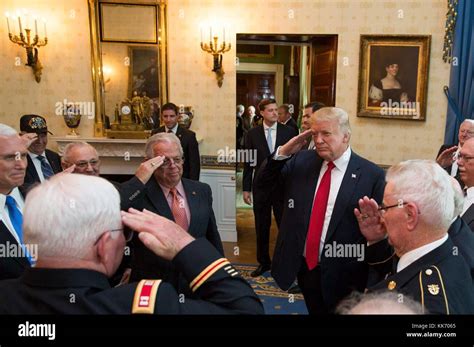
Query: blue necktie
45	167
269	140
16	219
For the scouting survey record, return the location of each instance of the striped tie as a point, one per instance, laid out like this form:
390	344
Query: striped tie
178	209
45	167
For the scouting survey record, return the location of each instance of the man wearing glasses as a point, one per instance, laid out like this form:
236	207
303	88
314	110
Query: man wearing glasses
82	244
420	259
184	201
465	162
448	153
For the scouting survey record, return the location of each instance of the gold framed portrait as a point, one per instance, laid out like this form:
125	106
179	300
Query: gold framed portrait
393	76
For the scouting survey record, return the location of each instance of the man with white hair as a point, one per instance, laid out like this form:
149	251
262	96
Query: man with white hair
321	188
13	163
80	237
417	210
185	201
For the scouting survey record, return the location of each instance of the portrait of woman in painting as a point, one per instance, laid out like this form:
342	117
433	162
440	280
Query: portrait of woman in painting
393	75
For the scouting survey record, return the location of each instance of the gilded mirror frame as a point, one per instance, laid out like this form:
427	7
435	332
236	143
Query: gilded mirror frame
96	60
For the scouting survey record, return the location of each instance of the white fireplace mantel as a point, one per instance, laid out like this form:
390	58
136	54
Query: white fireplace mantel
118	156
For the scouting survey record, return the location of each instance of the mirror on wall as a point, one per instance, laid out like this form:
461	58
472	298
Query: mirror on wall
129	66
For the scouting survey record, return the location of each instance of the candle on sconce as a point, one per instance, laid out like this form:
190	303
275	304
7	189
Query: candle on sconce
223	38
19	22
8	21
201	34
36	26
45	32
210	33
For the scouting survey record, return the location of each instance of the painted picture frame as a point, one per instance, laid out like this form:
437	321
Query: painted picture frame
144	72
393	76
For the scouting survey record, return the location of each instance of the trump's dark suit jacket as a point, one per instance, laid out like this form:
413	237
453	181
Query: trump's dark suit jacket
192	160
299	176
145	264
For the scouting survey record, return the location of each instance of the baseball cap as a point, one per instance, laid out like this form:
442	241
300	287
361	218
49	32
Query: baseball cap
33	123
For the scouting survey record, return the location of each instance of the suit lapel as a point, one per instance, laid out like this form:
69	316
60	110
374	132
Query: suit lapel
155	195
179	132
279	139
6	236
468	216
52	162
262	141
348	185
193	203
311	182
32	170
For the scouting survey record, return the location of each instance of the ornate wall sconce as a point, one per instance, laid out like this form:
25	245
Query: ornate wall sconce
216	51
30	46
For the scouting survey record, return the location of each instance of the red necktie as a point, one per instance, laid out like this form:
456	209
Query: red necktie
178	210
317	218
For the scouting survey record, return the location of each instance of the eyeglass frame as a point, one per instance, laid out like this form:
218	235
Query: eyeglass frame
82	164
400	203
176	161
127	234
463	157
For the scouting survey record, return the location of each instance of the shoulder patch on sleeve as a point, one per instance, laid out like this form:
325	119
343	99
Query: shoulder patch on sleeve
208	272
145	297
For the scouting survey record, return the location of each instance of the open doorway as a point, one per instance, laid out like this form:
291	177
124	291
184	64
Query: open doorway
292	69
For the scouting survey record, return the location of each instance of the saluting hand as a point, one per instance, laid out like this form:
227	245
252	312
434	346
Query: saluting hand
446	159
368	217
162	236
147	168
296	143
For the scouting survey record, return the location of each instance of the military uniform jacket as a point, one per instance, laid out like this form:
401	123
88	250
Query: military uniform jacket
440	280
218	287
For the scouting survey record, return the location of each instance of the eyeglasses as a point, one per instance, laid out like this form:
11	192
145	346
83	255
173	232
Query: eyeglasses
84	163
461	156
384	208
176	161
127	233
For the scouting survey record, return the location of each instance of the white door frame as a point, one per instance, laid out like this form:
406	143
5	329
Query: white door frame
277	69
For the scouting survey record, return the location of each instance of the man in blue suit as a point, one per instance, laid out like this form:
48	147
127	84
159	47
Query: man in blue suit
319	240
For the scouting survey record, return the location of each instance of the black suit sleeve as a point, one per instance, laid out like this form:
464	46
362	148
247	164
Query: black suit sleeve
194	158
248	169
131	194
379	256
212	234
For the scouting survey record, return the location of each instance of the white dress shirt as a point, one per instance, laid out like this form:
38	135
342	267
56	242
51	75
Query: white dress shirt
337	174
454	167
5	215
37	164
273	129
468	200
173	129
415	254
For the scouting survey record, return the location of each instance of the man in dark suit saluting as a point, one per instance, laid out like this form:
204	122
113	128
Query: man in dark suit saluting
13	163
192	161
184	201
263	140
321	189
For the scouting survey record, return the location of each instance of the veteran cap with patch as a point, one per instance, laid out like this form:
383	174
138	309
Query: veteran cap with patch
32	123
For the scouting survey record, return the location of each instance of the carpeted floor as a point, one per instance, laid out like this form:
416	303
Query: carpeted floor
275	301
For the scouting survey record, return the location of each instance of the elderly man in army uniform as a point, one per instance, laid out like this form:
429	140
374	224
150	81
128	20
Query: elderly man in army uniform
80	239
422	262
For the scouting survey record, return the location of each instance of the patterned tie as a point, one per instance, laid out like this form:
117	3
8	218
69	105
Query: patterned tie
269	140
45	167
317	219
178	209
17	221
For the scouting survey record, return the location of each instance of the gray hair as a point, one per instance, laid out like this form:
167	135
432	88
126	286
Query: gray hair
333	113
71	146
470	121
382	302
79	209
6	130
162	137
426	184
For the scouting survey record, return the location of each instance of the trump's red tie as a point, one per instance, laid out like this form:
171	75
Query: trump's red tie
316	221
